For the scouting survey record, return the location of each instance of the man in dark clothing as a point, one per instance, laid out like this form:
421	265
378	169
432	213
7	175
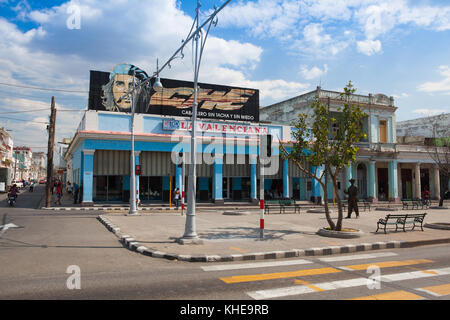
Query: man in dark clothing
352	199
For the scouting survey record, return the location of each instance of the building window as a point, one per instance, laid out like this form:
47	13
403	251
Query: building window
383	131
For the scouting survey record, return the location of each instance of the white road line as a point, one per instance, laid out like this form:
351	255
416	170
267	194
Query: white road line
429	292
301	289
255	265
359	256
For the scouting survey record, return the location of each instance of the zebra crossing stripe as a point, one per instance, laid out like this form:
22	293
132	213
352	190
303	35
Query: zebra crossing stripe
359	256
278	275
394	295
340	284
311	272
255	265
437	291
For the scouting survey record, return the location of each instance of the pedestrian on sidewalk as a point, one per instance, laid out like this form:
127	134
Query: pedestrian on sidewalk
59	192
75	192
352	199
177	197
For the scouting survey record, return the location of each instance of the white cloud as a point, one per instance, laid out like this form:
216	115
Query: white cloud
369	47
438	86
283	19
314	72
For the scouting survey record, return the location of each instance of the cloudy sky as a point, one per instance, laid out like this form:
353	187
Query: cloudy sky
282	47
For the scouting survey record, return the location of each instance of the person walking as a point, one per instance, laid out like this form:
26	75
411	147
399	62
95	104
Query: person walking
76	189
59	192
177	197
352	199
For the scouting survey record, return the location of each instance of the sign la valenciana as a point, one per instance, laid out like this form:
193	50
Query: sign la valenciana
215	127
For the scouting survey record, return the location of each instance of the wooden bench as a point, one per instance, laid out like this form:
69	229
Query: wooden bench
402	220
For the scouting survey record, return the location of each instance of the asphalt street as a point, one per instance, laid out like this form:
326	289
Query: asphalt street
40	247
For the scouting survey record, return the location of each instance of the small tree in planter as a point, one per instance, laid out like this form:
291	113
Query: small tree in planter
328	141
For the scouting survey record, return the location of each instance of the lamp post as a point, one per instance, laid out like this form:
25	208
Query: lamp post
200	40
190	233
133	210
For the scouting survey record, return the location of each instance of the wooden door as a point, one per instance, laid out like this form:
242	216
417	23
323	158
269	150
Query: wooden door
383	131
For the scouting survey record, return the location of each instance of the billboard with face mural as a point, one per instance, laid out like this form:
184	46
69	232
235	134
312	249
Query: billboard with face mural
108	92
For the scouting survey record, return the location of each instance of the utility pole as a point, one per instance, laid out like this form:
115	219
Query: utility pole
51	142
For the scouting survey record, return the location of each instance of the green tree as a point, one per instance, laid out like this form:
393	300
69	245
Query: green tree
328	139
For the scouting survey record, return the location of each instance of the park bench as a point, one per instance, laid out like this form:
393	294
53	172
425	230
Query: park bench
272	204
281	204
410	203
402	220
289	203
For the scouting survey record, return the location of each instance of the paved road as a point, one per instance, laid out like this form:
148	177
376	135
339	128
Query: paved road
34	259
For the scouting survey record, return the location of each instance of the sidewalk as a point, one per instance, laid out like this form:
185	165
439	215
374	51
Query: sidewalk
236	237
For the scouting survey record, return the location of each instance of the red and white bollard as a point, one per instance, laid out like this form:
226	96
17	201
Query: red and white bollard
261	219
182	202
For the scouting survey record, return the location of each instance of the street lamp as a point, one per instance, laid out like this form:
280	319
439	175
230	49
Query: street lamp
190	233
157	86
190	228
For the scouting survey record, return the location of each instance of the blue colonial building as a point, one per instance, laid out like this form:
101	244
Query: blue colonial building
227	159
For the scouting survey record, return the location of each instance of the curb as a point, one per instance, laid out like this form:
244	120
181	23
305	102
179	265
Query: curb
130	243
102	208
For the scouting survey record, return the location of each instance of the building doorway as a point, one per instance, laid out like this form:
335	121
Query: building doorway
383	184
361	180
407	184
424	180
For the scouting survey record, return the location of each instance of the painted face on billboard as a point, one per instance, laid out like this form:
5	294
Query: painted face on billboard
115	96
122	83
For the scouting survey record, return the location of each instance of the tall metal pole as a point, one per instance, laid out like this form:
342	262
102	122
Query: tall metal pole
261	195
190	227
132	159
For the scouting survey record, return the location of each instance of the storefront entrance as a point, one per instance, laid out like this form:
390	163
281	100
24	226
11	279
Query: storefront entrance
150	188
108	188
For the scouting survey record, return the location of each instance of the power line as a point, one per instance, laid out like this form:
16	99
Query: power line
22	111
40	88
15	119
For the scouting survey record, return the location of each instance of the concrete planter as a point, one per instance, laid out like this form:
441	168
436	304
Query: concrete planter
354	233
236	213
438	225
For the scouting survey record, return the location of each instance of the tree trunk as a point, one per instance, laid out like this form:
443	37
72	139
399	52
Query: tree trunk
444	186
327	210
339	202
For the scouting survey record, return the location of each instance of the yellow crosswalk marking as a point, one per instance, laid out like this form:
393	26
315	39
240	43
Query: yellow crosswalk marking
312	272
395	295
440	290
309	285
278	275
388	264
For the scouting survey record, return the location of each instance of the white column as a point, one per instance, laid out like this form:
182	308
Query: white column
437	185
417	189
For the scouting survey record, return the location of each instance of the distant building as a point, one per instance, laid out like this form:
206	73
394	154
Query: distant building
38	165
6	157
420	131
22	163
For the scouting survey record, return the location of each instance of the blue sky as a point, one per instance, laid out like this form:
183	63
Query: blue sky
282	47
